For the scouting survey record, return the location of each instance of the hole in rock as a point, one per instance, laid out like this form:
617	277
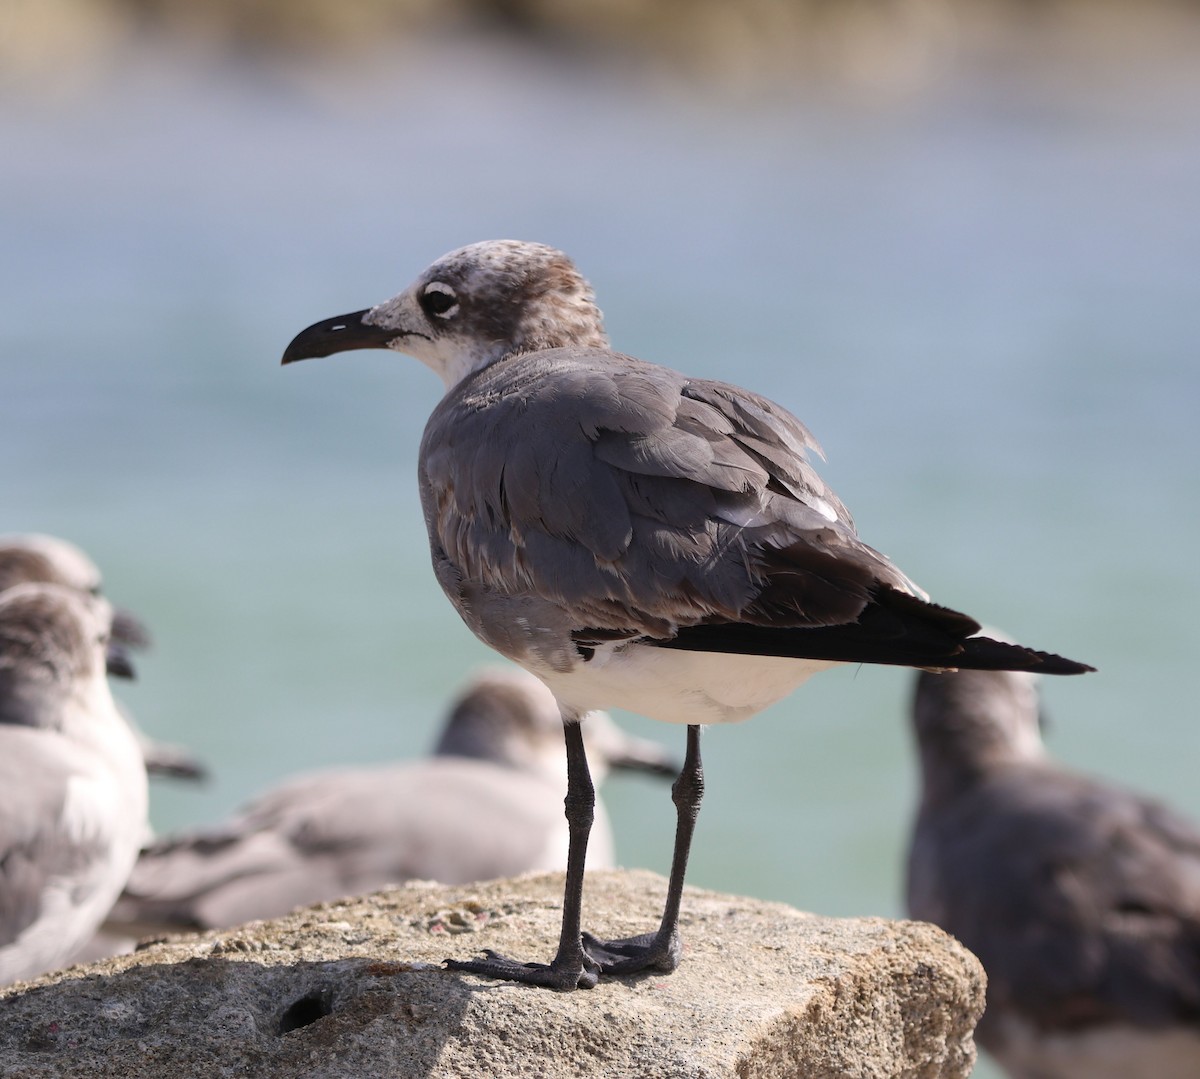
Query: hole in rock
308	1009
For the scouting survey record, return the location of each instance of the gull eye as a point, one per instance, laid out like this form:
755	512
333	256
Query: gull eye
439	299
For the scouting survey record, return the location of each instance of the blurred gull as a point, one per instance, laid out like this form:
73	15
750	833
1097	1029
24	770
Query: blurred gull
635	538
27	557
487	804
30	558
72	781
1082	900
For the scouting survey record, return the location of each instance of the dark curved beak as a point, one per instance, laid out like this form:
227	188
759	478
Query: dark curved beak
128	630
117	661
340	334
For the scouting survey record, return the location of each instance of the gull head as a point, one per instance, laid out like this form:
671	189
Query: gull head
470	308
986	718
36	558
507	717
974	722
53	644
31	557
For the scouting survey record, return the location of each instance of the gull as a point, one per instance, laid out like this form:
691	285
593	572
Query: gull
634	537
1081	899
32	558
481	807
27	557
72	781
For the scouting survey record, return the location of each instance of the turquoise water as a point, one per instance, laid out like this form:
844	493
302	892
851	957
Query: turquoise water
984	302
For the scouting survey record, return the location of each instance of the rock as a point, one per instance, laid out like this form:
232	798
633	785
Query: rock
354	989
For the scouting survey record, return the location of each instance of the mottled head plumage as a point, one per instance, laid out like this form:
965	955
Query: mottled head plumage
52	642
489	300
36	558
33	557
470	308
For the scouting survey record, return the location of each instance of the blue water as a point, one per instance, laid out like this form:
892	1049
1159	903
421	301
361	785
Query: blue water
984	300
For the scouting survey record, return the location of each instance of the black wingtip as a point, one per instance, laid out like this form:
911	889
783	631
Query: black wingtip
986	654
1062	665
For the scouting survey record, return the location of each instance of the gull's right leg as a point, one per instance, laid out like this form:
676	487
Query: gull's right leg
571	967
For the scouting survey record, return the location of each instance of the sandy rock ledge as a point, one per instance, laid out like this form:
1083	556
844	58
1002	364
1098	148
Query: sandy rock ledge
353	989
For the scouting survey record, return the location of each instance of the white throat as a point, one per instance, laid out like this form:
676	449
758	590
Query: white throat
448	358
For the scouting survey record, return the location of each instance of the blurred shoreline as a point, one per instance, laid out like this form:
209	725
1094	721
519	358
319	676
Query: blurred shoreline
885	49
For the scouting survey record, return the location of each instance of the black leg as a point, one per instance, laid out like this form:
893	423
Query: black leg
570	968
661	950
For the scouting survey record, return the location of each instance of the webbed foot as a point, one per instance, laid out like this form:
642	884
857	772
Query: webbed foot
563	976
649	951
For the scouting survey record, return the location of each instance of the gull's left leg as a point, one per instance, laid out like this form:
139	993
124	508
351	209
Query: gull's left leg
661	950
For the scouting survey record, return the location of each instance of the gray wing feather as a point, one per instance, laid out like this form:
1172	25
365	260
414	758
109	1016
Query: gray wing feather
636	497
675	452
345	831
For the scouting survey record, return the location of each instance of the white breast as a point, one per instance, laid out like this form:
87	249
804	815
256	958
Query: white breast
677	686
93	842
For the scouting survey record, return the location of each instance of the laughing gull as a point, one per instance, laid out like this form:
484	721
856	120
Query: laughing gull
1082	900
33	558
636	538
482	806
72	780
28	557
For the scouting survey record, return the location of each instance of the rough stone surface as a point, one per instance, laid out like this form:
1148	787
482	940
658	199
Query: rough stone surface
353	989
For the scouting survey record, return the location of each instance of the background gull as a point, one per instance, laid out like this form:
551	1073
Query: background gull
1081	899
27	557
72	780
486	804
32	558
635	538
